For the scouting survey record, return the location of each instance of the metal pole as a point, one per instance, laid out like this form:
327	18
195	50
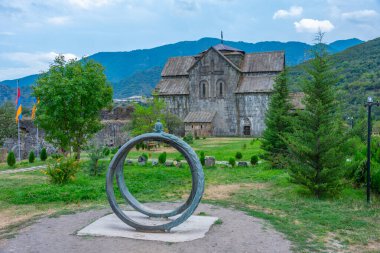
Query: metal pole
19	142
38	145
369	156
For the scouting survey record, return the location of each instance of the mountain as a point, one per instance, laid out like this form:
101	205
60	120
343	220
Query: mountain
358	75
138	71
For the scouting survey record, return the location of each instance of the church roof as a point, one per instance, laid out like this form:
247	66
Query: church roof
173	86
223	47
255	83
263	62
178	66
200	117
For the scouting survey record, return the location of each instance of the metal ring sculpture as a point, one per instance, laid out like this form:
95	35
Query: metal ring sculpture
185	210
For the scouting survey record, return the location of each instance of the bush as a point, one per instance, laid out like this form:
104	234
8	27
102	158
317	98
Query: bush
188	138
11	159
43	155
62	171
111	157
138	146
106	151
254	159
31	157
162	158
239	155
197	137
114	150
56	156
145	156
244	146
202	158
232	161
204	137
94	167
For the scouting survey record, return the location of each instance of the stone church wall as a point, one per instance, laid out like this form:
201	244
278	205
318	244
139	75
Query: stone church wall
252	109
212	69
177	104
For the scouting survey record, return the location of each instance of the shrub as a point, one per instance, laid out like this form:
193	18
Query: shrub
43	155
11	159
188	138
56	156
252	141
202	158
31	157
94	167
145	156
111	157
239	155
162	158
244	146
254	159
114	150
197	137
232	161
62	171
204	137
106	151
138	146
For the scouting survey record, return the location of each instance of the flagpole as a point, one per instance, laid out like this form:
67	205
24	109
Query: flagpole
38	145
18	134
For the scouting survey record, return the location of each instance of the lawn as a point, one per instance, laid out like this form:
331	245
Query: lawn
221	148
344	223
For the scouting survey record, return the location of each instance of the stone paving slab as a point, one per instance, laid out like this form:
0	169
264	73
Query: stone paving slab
193	228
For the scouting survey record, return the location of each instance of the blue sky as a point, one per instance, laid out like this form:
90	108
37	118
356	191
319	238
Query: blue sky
33	32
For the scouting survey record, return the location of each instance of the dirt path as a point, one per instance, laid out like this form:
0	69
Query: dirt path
237	233
23	169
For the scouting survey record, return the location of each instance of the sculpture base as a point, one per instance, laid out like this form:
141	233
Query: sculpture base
193	228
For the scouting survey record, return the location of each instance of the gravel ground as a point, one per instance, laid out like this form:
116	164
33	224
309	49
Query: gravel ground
238	233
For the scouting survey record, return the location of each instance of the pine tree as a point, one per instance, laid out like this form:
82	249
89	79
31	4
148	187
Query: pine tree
31	157
277	122
316	146
11	159
43	154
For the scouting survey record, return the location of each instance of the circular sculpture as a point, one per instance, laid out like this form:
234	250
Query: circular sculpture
184	211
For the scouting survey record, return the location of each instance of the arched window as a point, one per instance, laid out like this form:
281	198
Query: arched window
220	89
203	89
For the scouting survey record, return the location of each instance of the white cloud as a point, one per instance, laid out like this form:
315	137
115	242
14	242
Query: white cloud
59	20
361	15
294	11
88	4
313	25
28	63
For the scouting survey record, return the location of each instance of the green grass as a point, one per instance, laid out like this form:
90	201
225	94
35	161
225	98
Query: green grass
345	222
221	148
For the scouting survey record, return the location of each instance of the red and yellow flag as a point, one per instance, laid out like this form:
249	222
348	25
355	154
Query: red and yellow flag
18	105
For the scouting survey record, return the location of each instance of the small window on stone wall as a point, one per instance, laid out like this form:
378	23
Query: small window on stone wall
203	89
220	89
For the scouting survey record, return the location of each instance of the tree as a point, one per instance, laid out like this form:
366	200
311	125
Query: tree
8	127
144	117
11	159
278	122
316	144
71	95
43	154
31	157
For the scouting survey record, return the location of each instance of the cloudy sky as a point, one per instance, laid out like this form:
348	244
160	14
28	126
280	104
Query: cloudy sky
33	32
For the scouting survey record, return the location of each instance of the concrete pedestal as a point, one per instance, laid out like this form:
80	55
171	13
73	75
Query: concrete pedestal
110	225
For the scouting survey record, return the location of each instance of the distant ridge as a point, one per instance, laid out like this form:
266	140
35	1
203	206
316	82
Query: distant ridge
136	72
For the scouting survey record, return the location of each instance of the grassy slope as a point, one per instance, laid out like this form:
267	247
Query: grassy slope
345	222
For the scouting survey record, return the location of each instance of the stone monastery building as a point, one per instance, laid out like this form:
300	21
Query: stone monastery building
222	91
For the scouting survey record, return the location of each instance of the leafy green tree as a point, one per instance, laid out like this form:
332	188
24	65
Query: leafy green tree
144	117
11	159
31	157
278	122
43	154
316	144
71	95
8	127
